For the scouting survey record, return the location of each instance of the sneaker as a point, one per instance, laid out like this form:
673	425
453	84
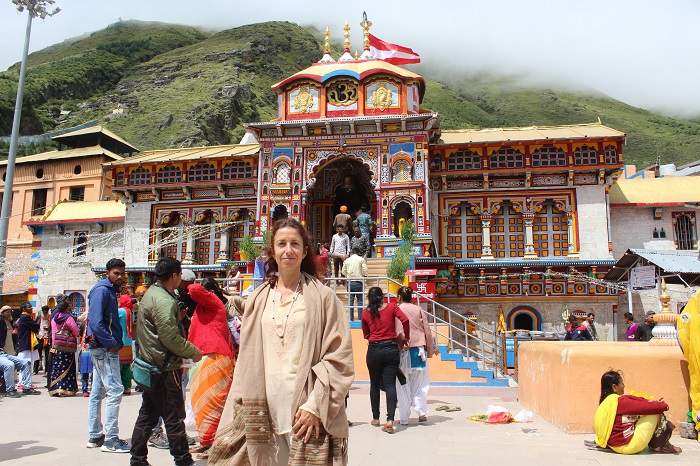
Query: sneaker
96	442
12	394
116	446
159	440
191	440
30	391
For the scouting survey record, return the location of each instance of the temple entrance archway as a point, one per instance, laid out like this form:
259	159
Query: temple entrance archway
342	182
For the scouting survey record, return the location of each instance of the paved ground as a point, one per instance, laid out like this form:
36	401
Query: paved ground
40	430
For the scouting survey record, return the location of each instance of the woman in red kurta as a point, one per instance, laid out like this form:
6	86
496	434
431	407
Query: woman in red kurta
212	376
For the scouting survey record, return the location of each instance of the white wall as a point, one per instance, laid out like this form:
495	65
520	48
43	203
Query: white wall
137	226
592	222
633	227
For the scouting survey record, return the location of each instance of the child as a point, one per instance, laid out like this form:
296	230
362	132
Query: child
85	363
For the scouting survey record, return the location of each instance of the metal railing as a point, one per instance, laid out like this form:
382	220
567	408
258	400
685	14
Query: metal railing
475	341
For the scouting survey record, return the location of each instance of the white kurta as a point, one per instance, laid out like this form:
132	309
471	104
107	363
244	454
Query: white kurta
281	357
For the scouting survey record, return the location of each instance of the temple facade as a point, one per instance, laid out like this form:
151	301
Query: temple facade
512	218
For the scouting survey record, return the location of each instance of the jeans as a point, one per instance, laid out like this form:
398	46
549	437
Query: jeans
163	399
383	365
355	290
8	364
106	381
84	381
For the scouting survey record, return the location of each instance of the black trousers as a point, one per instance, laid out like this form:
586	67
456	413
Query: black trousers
163	399
383	365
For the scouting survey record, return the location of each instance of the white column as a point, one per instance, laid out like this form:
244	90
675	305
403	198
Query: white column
486	252
188	256
223	246
573	253
528	219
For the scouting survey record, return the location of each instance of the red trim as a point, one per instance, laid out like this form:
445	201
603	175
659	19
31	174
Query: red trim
36	244
31	291
649	204
80	220
341	113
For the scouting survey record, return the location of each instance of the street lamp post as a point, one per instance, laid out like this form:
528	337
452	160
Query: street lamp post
35	8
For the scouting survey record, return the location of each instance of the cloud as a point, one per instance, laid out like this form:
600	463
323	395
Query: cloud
641	52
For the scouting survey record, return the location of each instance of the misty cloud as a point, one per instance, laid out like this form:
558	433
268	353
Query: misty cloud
641	52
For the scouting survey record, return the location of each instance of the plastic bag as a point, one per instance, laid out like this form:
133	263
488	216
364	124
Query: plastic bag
523	416
500	418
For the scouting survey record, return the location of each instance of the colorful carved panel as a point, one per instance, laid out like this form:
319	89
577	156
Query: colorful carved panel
303	100
381	96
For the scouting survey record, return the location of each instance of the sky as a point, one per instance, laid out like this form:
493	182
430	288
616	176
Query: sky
645	53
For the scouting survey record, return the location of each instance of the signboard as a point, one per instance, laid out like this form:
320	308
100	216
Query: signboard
422	273
643	277
426	289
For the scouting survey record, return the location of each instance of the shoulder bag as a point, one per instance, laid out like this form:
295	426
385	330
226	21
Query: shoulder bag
64	340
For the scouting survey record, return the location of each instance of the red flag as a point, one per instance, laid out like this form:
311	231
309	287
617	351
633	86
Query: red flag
392	53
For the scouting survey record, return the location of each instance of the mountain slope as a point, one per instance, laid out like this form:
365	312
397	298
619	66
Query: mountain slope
161	85
60	76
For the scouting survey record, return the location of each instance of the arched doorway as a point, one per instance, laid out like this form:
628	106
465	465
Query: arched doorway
342	182
524	318
402	210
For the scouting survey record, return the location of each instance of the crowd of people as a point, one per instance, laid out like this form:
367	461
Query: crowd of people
268	376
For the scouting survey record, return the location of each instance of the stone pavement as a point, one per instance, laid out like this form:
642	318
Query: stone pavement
39	430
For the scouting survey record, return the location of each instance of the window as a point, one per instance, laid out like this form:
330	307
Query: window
77	193
237	169
169	174
464	160
80	243
281	173
140	176
550	232
77	170
610	154
201	172
684	230
464	233
39	201
548	156
39	173
119	180
507	233
401	171
585	155
506	158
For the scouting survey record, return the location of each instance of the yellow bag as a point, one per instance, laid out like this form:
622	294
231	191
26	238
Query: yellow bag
35	341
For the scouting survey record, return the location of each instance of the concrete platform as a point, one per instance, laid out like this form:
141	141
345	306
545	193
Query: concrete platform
44	431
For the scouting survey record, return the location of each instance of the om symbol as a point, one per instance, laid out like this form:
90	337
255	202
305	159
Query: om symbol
343	93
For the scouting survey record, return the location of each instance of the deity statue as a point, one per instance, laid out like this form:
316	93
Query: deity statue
381	98
304	101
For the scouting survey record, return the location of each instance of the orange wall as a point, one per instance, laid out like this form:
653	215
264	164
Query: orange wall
560	381
58	178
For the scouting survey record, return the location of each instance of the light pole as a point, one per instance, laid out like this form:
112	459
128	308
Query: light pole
35	8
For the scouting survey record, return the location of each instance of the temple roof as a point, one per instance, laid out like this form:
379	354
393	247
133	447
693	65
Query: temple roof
65	154
81	212
321	72
528	133
190	153
655	192
68	138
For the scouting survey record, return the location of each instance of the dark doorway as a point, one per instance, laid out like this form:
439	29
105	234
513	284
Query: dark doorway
523	321
279	212
402	210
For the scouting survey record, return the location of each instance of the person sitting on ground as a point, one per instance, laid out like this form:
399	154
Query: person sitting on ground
631	326
629	424
8	361
343	219
643	332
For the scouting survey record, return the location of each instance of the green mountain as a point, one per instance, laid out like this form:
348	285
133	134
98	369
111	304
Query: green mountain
161	85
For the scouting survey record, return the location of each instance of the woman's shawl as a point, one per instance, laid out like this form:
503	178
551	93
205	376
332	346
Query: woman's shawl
323	380
605	419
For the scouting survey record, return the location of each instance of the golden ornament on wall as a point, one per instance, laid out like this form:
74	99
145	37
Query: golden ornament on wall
381	98
342	92
303	101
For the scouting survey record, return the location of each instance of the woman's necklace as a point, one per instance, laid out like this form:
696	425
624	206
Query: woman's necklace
289	310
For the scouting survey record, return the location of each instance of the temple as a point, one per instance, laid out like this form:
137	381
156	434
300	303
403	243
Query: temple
504	216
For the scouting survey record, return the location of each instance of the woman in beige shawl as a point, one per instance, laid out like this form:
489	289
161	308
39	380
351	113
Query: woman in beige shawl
286	404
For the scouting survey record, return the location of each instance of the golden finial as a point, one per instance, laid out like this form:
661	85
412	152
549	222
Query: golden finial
665	298
357	55
346	34
365	29
327	42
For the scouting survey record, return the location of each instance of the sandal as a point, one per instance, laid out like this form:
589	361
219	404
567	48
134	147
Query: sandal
452	409
198	449
668	448
442	408
389	428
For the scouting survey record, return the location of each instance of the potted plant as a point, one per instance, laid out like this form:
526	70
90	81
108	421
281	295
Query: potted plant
248	251
397	268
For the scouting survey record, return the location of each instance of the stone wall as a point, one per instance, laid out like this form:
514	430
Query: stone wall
633	227
137	225
592	222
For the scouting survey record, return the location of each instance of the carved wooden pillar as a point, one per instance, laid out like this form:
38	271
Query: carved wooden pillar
486	253
571	234
223	247
188	255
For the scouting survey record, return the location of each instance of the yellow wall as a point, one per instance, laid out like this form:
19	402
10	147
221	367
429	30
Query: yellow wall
560	381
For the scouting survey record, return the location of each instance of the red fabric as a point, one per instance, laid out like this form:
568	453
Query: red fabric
209	328
393	53
628	409
383	327
126	303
